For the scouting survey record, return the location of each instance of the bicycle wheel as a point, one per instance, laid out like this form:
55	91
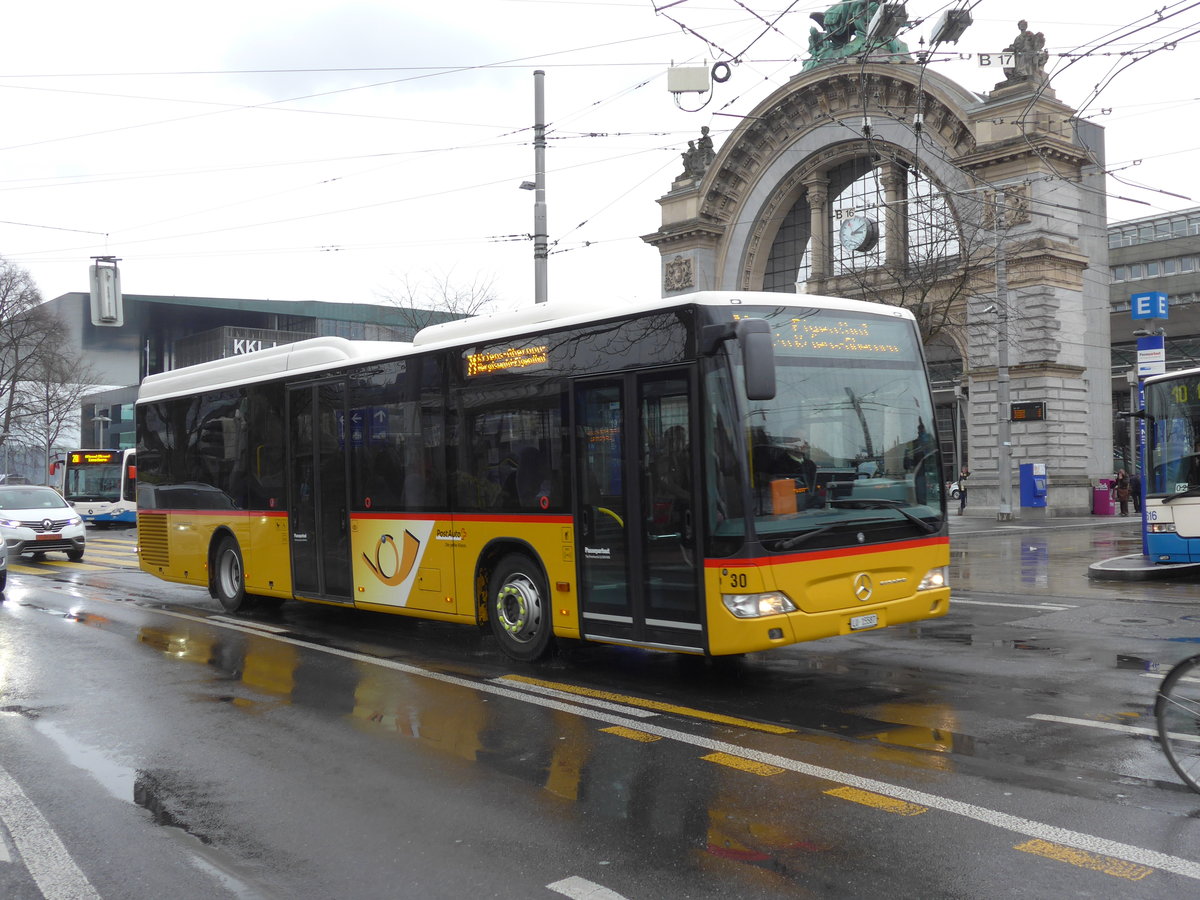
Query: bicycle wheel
1177	712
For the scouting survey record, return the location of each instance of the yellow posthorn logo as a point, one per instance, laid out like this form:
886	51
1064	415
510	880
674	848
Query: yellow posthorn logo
403	562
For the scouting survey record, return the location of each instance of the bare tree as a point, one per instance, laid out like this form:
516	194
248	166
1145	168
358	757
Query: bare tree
50	400
438	298
28	334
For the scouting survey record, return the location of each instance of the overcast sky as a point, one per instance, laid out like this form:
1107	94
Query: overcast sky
319	150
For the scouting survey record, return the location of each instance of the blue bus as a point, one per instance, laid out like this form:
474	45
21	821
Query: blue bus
1172	467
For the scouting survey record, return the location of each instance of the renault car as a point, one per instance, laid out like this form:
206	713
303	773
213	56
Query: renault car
35	520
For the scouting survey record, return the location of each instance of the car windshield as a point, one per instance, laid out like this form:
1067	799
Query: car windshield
30	498
847	441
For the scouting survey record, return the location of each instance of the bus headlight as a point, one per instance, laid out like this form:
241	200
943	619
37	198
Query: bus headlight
934	578
751	606
1161	527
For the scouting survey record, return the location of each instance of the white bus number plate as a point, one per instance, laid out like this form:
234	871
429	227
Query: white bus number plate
857	623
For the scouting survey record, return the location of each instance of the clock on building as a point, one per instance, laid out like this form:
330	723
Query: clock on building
859	234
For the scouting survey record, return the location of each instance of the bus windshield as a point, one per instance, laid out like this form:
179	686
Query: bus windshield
94	482
1173	435
847	446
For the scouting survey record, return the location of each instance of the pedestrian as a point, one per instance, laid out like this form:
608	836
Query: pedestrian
1135	488
962	489
1121	491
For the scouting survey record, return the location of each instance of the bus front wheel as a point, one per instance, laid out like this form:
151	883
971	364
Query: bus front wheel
519	608
229	585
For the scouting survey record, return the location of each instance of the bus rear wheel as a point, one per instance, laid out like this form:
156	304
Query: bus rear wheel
519	608
229	586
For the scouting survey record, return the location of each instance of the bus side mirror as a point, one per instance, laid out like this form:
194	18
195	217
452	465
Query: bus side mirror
758	352
758	358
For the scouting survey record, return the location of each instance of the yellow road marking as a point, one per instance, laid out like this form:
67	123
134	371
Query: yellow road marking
1118	868
67	564
632	734
653	704
878	801
743	764
115	560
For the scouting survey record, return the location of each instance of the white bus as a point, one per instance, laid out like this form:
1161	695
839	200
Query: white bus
102	485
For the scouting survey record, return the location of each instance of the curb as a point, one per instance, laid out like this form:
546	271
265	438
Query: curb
1136	567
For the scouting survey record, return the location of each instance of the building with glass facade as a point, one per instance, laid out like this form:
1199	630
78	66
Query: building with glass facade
1152	254
159	333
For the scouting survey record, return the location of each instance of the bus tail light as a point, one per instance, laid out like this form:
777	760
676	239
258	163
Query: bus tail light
752	606
1161	527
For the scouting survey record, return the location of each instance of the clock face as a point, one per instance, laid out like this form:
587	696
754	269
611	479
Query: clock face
858	234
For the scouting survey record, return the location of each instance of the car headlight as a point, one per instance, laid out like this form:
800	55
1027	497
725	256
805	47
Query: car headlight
752	606
75	520
934	578
10	523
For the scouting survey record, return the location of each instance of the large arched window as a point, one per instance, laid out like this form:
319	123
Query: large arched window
877	212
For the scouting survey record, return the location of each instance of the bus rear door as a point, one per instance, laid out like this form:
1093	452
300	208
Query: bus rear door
635	484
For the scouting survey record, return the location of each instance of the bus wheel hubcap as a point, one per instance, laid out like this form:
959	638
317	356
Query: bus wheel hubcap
232	575
519	608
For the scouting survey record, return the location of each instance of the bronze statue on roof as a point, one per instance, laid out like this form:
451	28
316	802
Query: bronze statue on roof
844	32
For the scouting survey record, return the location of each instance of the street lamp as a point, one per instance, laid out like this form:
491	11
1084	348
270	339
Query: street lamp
100	422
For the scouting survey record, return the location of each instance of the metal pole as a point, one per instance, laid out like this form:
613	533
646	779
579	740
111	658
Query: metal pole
1132	378
1004	450
540	250
958	400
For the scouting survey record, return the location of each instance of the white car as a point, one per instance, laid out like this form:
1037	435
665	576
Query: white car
35	520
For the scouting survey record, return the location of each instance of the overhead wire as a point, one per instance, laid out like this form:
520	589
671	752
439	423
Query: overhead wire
918	145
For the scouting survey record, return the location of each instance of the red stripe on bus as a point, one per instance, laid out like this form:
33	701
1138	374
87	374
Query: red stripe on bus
857	550
458	517
218	513
432	517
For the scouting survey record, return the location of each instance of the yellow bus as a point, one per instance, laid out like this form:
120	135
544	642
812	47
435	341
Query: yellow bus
714	474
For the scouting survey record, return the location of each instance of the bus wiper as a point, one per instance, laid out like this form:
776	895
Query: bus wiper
1190	492
881	503
794	542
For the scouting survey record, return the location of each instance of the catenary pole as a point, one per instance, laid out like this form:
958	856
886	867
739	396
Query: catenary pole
540	250
1004	430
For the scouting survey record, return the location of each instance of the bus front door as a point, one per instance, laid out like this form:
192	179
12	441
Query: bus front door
318	508
635	480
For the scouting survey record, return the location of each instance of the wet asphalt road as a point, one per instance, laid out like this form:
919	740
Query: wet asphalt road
154	747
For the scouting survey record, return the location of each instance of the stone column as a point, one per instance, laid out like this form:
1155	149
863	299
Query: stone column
818	226
895	181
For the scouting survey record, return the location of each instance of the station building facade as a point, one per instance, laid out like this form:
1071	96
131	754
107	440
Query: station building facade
983	214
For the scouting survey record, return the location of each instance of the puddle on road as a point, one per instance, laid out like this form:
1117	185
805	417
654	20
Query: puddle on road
118	780
164	797
1137	663
1028	644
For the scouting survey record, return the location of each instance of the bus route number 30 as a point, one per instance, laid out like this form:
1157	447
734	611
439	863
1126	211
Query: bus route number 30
735	580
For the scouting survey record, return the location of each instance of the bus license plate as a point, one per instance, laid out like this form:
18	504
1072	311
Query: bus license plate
857	623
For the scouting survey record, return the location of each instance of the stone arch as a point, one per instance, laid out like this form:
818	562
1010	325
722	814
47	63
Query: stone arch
812	124
1017	143
793	189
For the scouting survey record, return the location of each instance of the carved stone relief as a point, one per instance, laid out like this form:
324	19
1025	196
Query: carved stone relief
678	274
